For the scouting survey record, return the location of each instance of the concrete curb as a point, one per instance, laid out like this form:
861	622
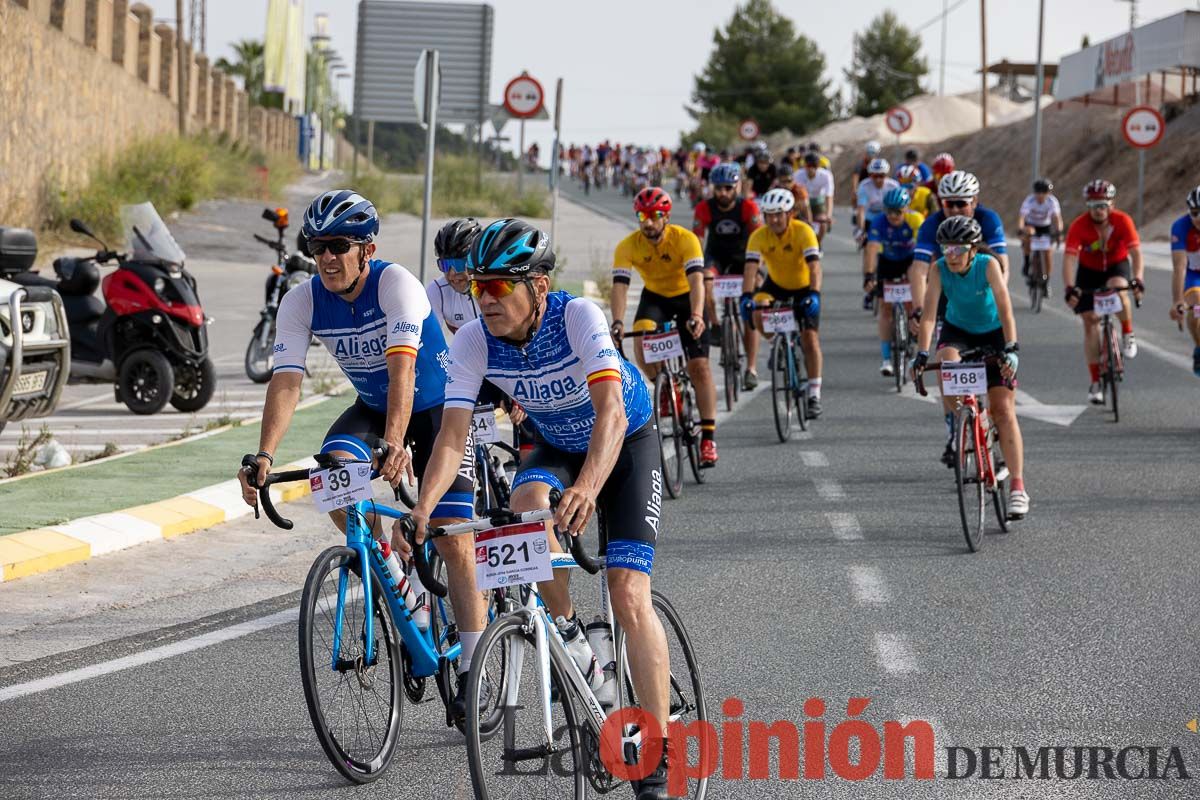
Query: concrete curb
44	549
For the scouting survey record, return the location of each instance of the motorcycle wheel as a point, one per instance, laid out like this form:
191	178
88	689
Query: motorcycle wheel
194	385
260	360
145	381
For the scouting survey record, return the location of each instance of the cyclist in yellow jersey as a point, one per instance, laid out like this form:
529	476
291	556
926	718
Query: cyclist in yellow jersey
793	258
920	197
671	263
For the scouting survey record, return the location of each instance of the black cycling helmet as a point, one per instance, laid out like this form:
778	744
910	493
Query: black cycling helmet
510	248
959	230
912	155
1042	186
455	237
812	160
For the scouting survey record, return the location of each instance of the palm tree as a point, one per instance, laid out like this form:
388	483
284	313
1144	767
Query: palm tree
249	67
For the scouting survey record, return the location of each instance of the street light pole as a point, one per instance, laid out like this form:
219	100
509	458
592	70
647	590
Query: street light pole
942	67
1037	95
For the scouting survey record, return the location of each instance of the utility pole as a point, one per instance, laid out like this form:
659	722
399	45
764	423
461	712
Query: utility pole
983	93
942	66
181	68
1037	95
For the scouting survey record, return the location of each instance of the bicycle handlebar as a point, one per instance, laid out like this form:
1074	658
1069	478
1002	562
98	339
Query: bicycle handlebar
278	247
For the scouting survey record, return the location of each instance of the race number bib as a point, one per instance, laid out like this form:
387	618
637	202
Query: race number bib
658	347
1039	243
338	487
963	379
512	555
727	287
483	424
779	320
897	293
1106	303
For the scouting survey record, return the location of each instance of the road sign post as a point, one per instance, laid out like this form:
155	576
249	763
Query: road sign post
898	120
426	87
523	99
1143	127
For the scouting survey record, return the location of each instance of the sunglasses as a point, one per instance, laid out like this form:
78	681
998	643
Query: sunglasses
339	247
496	287
1099	204
452	264
956	203
724	187
643	216
956	250
1195	212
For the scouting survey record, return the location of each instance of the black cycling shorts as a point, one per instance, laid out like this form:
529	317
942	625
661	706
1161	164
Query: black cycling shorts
778	293
1097	279
960	340
629	503
888	270
678	309
725	265
360	423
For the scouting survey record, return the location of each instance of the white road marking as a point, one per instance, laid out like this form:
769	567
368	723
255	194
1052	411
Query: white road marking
845	526
829	489
895	654
869	586
149	656
814	458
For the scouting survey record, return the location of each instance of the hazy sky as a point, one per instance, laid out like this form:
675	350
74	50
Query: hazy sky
628	65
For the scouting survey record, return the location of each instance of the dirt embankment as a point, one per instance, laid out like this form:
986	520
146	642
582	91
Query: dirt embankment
1079	144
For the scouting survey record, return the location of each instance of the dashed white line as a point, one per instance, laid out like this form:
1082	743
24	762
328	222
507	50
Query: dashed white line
845	526
829	489
895	654
814	458
869	586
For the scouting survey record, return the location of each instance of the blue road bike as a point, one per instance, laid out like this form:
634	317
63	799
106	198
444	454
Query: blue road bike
361	651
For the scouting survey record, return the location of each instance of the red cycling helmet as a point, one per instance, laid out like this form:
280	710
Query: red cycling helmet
652	199
1099	189
943	164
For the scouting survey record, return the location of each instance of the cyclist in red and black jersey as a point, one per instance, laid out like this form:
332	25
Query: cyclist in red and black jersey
1103	243
728	219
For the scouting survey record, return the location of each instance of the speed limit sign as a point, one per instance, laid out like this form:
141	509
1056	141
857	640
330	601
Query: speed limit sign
748	130
899	119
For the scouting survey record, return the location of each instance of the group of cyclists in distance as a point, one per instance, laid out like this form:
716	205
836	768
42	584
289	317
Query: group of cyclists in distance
585	418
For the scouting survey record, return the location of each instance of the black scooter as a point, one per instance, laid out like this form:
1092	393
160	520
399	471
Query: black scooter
288	272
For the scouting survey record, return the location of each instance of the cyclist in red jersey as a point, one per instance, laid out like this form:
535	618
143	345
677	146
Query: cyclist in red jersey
1103	243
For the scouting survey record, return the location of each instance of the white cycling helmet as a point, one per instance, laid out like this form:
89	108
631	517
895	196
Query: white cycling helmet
873	149
699	147
1193	199
777	200
879	166
958	185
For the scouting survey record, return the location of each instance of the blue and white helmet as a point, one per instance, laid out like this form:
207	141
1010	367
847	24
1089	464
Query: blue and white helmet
726	174
341	212
894	199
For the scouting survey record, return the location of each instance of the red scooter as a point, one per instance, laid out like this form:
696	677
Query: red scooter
149	335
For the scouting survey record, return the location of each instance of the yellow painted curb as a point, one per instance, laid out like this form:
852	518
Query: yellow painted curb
179	515
32	552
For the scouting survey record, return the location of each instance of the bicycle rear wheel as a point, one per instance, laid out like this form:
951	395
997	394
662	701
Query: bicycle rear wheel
686	693
782	396
516	760
670	433
729	360
967	479
356	708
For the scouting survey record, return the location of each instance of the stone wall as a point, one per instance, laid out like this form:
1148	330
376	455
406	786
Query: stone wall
81	80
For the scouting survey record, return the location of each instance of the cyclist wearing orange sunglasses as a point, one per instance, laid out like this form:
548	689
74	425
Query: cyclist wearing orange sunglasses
596	443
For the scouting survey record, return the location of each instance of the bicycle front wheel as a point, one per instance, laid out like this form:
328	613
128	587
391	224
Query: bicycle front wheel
517	759
691	422
782	396
355	706
670	433
685	690
1000	492
968	479
899	345
1111	375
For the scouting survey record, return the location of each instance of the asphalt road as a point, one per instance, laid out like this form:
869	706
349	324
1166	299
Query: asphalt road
831	567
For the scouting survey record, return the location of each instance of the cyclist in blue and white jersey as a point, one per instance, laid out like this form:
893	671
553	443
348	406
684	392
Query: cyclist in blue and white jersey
375	319
891	239
958	195
597	443
1185	284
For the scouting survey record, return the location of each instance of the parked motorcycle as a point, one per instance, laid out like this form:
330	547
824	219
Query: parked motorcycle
288	272
149	335
35	352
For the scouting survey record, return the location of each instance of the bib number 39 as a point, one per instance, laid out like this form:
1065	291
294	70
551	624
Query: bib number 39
513	555
963	379
338	487
661	347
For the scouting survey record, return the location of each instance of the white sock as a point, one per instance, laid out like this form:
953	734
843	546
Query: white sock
468	640
814	388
